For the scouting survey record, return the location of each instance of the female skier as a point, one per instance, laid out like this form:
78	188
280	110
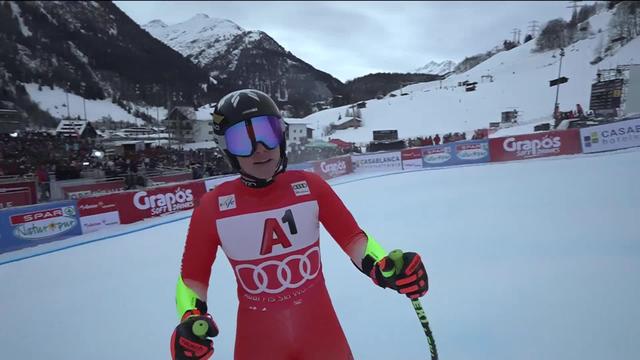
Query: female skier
267	223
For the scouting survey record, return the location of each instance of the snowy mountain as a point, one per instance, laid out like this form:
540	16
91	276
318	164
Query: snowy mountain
91	49
200	39
236	58
437	68
514	79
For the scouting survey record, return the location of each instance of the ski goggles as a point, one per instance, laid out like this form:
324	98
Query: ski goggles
241	139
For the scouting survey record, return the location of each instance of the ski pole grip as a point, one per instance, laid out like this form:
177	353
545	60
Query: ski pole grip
396	257
200	328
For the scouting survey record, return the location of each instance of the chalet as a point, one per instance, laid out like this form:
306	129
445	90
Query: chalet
298	131
186	124
346	122
78	128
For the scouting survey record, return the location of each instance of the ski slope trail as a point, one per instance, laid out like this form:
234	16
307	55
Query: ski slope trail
527	260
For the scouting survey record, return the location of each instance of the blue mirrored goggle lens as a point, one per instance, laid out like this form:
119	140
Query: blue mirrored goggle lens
242	137
238	140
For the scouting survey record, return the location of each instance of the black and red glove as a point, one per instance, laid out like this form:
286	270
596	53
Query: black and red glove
189	339
409	279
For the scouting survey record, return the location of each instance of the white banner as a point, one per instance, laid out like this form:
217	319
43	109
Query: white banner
613	136
412	164
377	161
97	222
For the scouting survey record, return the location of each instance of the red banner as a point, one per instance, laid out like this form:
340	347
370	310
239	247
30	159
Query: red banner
412	154
334	167
134	206
94	205
78	191
31	185
13	198
549	143
172	178
160	201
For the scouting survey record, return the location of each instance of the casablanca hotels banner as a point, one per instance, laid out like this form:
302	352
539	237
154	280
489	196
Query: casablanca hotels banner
376	162
613	136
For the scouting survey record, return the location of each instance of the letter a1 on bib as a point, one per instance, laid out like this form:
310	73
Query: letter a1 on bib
273	235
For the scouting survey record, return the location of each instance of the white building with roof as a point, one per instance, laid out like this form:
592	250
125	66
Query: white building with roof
187	125
298	131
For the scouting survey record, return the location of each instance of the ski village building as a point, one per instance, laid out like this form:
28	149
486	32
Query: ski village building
187	125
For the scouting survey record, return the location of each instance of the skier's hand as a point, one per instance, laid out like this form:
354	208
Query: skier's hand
410	279
189	339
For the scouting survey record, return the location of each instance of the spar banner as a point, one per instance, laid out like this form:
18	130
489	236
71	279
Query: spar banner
18	184
14	197
411	158
456	153
78	191
161	201
27	226
382	161
543	144
613	136
333	167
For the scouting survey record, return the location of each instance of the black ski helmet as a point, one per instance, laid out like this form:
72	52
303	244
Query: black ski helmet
239	106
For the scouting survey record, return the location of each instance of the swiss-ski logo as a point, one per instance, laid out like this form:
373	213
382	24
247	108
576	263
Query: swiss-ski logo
227	202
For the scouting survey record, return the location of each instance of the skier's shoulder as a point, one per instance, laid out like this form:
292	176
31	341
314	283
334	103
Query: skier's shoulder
314	181
221	189
301	175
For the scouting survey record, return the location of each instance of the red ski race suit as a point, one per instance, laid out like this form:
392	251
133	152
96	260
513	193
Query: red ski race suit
271	237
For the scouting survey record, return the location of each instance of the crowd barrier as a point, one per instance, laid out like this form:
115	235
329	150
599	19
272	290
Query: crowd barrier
26	226
12	197
8	187
78	191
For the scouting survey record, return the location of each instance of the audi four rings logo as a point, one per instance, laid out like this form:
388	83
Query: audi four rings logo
284	273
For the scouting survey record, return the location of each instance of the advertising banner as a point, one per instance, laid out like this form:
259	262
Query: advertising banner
31	185
613	136
383	161
160	201
99	212
333	167
14	197
411	159
78	191
549	143
172	178
33	225
305	166
456	153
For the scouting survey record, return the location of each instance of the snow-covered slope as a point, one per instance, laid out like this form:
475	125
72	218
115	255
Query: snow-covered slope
530	260
520	81
437	68
54	101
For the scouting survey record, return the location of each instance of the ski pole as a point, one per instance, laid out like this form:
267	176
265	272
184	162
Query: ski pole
396	257
200	328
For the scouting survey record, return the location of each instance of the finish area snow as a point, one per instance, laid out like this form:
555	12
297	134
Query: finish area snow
527	260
